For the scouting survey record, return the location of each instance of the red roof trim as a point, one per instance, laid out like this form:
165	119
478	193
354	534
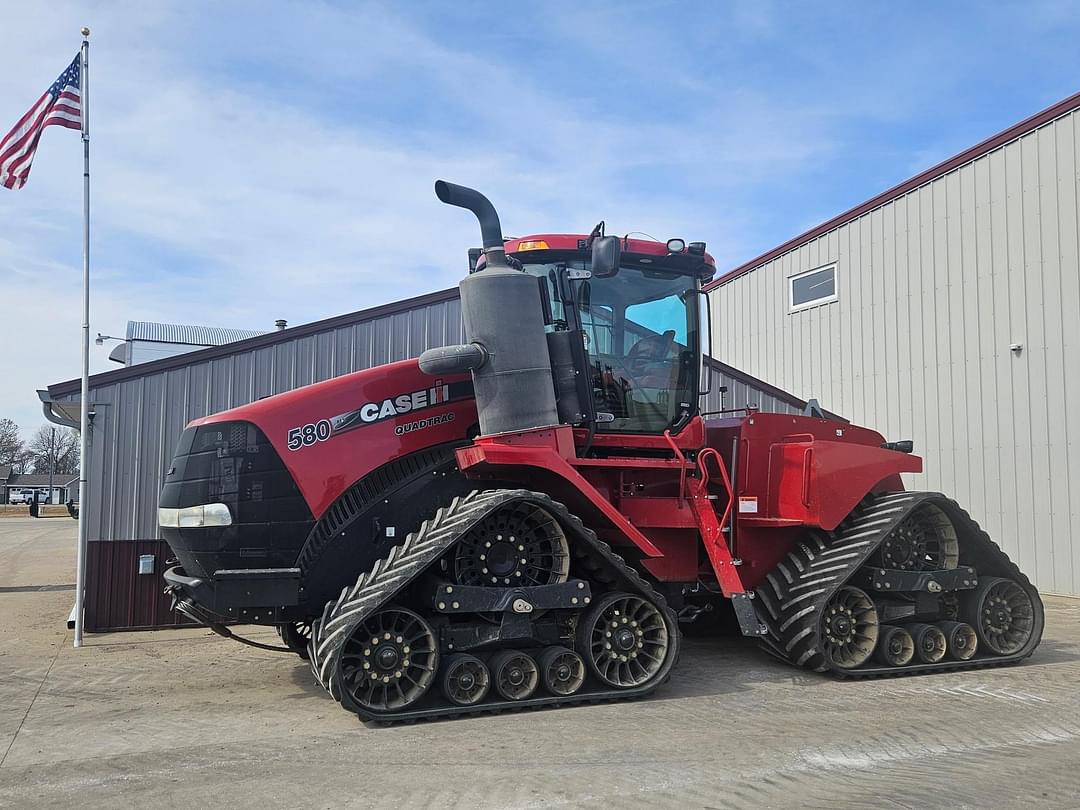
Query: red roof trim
977	151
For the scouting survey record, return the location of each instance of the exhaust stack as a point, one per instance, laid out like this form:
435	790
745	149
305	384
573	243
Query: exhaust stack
507	350
490	227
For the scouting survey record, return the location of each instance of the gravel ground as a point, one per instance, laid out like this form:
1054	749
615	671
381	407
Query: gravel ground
182	718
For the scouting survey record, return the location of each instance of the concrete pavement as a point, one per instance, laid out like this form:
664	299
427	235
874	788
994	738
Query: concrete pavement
186	719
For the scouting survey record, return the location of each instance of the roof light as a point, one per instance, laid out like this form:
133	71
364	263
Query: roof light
676	245
531	244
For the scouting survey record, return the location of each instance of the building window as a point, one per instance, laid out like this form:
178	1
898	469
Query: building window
812	288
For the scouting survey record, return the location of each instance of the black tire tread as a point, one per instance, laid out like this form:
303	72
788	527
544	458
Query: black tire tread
378	587
791	598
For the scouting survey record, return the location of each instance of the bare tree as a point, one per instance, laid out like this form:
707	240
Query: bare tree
54	450
13	451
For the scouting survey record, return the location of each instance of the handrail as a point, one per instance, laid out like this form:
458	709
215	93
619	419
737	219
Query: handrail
703	456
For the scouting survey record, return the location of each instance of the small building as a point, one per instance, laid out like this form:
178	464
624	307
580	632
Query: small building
146	341
63	486
946	310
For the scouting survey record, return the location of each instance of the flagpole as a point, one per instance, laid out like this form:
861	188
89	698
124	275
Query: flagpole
84	416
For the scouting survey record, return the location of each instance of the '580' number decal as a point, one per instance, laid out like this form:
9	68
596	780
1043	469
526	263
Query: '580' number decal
309	434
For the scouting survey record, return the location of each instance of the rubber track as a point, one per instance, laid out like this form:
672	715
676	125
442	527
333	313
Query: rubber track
404	563
794	595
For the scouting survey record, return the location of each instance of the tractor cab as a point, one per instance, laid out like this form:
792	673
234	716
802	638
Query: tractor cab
638	317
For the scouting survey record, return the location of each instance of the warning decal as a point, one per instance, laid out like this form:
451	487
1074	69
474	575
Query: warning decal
747	505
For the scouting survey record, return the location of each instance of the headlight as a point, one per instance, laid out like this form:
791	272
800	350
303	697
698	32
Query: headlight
211	514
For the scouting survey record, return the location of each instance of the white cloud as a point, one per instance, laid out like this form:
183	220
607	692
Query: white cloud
277	161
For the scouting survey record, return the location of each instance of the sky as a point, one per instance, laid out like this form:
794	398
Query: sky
261	160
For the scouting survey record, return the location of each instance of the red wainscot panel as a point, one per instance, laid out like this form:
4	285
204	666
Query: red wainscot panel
118	597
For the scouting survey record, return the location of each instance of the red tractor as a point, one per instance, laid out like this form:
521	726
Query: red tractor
526	519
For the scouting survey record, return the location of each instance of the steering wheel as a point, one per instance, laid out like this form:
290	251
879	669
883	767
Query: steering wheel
651	349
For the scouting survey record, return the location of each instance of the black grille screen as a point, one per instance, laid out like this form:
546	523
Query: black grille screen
234	463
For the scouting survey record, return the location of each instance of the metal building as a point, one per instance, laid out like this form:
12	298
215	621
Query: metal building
946	310
139	412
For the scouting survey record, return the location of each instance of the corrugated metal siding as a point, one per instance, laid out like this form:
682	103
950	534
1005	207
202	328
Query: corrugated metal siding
933	288
182	333
117	596
743	394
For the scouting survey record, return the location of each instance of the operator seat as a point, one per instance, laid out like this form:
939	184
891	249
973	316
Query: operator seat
649	362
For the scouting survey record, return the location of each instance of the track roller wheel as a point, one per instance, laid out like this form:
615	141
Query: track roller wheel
515	673
295	636
895	646
517	544
625	638
930	643
960	639
1002	613
849	628
562	670
465	679
389	661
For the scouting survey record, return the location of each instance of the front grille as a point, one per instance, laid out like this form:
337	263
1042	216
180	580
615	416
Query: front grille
235	464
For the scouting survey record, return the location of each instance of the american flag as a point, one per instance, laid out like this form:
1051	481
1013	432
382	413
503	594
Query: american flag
59	105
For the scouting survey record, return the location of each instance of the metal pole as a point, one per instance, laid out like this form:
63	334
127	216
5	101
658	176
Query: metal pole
52	462
84	416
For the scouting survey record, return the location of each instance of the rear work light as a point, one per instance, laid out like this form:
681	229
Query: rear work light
191	517
531	244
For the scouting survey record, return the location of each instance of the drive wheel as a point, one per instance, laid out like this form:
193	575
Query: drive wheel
465	680
1002	614
296	635
925	540
562	670
389	661
519	544
626	640
516	675
895	647
849	628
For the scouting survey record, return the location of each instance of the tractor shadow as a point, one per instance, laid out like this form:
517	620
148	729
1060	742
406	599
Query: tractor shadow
1052	651
304	680
727	664
708	667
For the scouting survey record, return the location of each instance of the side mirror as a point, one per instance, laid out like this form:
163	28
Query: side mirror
606	253
704	341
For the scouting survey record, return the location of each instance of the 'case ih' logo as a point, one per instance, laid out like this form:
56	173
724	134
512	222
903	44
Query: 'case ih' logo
371	412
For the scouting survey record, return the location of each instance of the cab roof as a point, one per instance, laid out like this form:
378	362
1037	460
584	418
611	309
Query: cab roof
578	242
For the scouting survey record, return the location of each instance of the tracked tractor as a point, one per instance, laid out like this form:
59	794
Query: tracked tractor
530	518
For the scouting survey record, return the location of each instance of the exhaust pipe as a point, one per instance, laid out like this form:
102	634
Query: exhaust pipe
483	210
507	348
